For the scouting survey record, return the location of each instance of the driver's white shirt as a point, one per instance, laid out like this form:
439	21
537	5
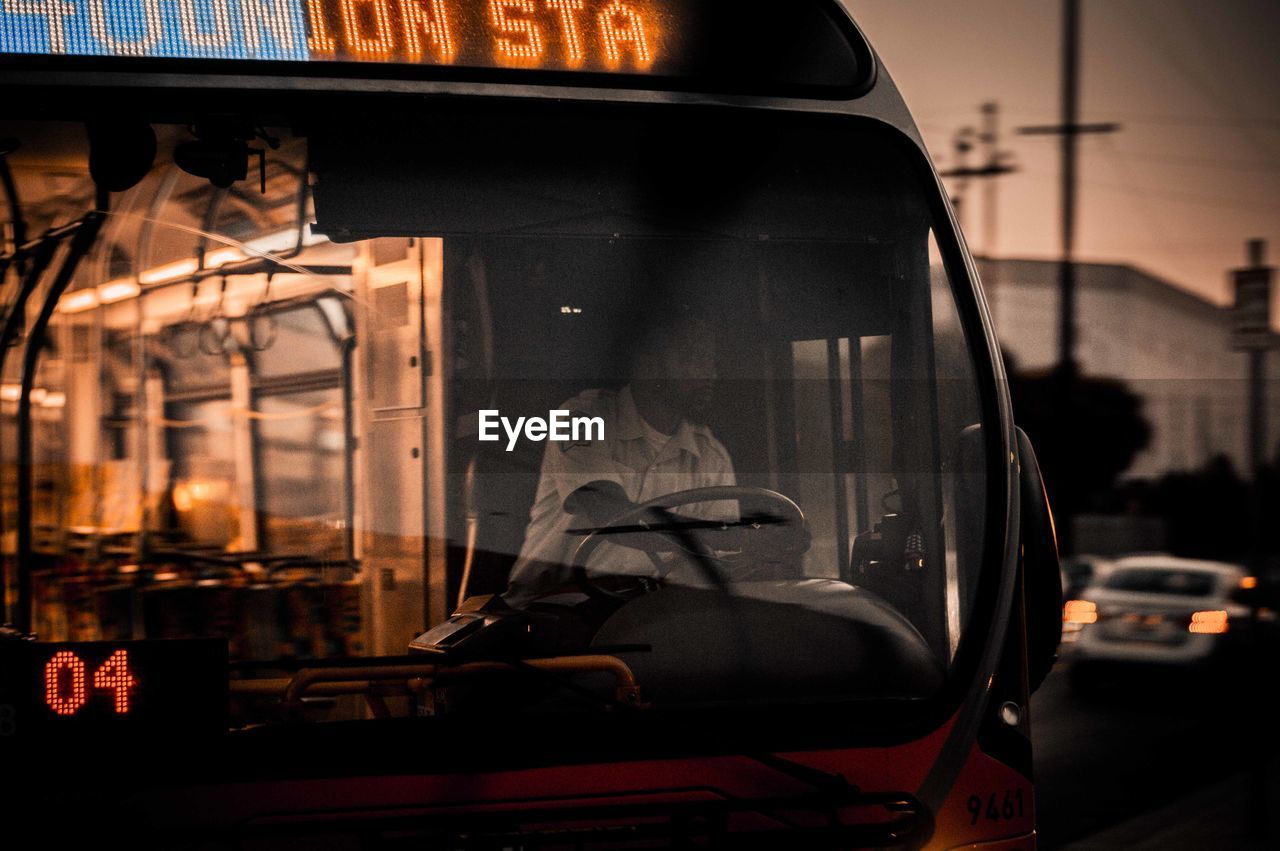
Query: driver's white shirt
691	458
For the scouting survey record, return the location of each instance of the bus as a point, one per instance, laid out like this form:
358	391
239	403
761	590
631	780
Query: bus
500	424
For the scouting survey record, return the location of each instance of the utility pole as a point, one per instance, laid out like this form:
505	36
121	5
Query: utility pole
962	145
1070	130
994	165
990	138
1252	334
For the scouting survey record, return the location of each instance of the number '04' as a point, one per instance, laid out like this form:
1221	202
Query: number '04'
66	682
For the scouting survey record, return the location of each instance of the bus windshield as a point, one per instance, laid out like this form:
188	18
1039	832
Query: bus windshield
691	390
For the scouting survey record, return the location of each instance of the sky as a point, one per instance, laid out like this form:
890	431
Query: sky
1194	170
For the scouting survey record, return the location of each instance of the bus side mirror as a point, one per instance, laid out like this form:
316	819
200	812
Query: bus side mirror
1041	577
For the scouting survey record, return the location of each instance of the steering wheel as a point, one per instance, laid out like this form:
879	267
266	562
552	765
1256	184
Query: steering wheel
654	521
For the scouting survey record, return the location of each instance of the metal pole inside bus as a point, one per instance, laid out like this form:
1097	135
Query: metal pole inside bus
40	253
80	243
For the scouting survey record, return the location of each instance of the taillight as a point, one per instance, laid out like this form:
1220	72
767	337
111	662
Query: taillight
1208	623
1080	612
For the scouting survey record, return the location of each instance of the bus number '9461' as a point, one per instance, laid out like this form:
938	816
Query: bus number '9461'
995	807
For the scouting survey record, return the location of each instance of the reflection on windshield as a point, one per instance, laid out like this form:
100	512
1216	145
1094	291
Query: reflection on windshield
307	446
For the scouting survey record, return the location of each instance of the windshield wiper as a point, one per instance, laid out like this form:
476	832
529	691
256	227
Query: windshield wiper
754	521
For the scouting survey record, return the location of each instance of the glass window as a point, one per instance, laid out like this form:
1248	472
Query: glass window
300	461
201	447
293	341
749	305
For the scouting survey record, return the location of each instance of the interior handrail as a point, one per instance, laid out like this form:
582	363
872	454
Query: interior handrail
415	678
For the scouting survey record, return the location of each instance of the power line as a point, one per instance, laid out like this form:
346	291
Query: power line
1187	119
1200	162
1190	197
1156	38
1203	120
1146	209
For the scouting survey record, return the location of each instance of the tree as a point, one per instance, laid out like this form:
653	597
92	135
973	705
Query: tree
1085	444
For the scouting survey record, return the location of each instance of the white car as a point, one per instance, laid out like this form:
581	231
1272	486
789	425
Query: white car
1157	609
1081	571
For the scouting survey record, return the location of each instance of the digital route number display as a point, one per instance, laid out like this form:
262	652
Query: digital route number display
625	36
129	686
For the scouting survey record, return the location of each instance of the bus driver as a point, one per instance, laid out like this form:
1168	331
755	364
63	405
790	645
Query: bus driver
655	443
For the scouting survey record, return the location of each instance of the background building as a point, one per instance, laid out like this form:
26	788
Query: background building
1170	347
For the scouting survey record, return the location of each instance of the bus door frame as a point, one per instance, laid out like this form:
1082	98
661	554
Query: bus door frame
403	439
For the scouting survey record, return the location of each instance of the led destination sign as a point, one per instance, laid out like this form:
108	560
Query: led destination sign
599	35
750	44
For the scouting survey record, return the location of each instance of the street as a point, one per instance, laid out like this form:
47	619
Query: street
1108	757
